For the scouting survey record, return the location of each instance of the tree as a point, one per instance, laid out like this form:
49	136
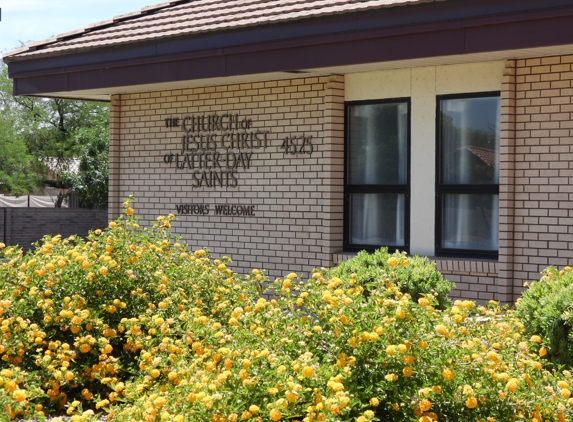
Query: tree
17	174
90	183
37	129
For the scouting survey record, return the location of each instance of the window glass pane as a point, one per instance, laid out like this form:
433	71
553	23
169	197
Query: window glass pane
378	141
470	221
469	130
377	219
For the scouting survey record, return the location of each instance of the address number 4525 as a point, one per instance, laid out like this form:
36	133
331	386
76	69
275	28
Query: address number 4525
294	145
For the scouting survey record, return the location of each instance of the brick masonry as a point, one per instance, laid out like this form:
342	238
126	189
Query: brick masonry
24	226
538	207
298	198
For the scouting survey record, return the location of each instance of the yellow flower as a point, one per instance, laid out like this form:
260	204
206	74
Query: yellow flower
407	371
307	371
159	402
254	409
542	351
493	356
392	261
374	402
275	415
103	270
512	384
535	339
471	402
102	403
441	329
391	377
425	405
448	374
468	390
129	211
19	395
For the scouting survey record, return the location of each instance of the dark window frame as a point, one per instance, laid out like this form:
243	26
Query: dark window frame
381	188
443	189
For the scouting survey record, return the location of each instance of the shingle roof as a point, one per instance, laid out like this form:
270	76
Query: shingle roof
188	17
488	156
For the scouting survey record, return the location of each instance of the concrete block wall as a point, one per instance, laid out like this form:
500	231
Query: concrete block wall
297	195
24	226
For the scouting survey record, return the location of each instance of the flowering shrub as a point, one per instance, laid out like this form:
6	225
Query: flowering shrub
545	309
415	275
131	323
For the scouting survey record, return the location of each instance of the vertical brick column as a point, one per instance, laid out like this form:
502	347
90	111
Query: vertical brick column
543	222
114	200
333	168
507	185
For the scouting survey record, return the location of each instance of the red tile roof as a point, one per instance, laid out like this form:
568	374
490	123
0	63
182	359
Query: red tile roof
188	17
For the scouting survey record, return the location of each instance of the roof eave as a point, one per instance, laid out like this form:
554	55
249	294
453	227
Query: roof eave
455	28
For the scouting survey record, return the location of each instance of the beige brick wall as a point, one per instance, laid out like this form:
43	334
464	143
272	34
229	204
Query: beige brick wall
541	225
298	198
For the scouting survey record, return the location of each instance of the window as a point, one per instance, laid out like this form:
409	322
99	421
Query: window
467	204
377	175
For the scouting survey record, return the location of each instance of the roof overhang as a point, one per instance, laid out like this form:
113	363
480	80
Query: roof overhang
422	35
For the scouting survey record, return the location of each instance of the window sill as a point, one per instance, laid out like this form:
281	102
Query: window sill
472	266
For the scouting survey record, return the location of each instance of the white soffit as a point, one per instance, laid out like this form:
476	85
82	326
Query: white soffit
103	94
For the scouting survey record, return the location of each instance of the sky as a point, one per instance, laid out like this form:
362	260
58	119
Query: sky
24	21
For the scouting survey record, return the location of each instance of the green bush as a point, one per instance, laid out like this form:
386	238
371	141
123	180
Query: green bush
546	309
418	278
131	323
